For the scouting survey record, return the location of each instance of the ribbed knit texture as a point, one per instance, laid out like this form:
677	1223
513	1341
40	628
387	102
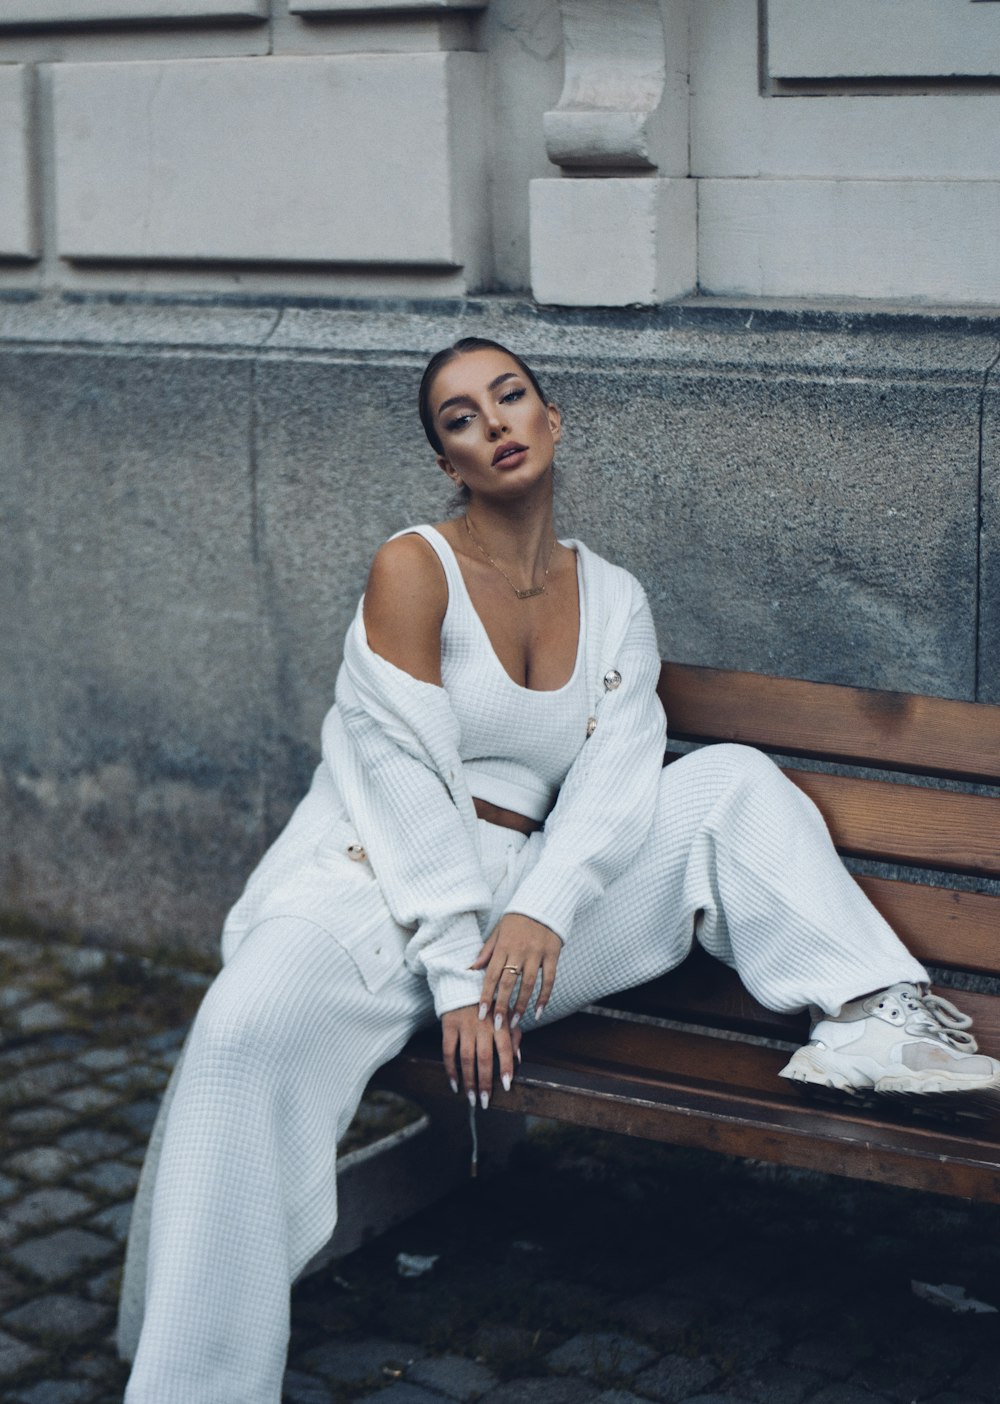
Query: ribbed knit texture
291	1031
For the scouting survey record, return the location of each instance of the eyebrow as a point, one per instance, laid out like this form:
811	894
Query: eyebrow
464	399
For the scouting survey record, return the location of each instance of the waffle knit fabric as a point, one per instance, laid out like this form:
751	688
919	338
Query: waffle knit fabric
725	850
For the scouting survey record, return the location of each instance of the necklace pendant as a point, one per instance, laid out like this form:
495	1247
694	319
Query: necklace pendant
530	594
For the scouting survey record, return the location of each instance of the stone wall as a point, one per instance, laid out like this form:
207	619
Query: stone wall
191	495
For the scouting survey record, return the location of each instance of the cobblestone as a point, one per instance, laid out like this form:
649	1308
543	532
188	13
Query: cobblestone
633	1275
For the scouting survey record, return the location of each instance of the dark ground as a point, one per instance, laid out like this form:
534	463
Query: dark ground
595	1268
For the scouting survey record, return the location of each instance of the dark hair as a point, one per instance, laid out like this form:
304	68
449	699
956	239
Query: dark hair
451	353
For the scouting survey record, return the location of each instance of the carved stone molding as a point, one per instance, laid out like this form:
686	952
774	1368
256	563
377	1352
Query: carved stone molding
615	72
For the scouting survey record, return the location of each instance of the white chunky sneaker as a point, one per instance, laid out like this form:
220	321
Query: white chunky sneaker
899	1040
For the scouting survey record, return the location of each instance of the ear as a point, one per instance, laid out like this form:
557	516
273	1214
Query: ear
447	468
555	422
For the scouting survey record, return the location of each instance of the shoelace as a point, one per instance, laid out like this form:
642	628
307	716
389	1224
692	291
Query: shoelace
940	1019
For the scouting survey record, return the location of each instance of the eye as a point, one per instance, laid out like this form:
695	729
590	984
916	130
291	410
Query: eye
512	395
459	422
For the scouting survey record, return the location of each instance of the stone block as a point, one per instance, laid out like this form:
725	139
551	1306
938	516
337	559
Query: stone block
738	131
918	240
601	1353
18	234
72	12
61	1253
128	503
293	172
354	1362
43	1208
14	1355
676	1377
454	1376
612	242
989	615
57	1315
387	7
881	39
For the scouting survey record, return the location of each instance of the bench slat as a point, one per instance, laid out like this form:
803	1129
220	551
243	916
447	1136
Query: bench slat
690	1090
960	930
890	730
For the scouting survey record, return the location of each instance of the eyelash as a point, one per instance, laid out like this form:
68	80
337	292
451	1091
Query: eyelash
461	420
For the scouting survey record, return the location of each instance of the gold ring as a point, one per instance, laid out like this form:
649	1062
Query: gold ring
514	969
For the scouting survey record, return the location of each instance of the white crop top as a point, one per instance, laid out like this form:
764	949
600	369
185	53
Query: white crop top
517	743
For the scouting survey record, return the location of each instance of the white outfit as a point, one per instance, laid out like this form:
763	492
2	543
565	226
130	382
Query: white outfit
325	978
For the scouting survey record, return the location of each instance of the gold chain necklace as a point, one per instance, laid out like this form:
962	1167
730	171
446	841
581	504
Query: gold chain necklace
521	594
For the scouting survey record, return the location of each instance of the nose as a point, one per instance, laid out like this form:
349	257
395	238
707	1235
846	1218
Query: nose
495	424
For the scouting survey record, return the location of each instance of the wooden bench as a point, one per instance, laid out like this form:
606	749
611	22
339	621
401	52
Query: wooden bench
690	1058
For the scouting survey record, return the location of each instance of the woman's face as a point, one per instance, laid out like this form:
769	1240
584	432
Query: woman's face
498	436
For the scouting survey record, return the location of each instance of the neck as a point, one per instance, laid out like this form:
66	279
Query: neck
520	532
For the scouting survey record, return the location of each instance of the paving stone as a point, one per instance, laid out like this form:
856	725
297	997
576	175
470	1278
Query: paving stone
92	1144
10	1290
42	1163
169	1040
57	1315
61	1253
655	1314
676	1377
106	1286
505	1343
830	1355
403	1393
86	1099
81	960
9	1232
104	1059
601	1353
15	1355
109	1177
45	1207
40	1017
453	1375
13	995
43	1121
775	1383
7	1186
56	1392
353	1362
618	1396
846	1394
34	1084
140	1116
304	1389
114	1220
535	1390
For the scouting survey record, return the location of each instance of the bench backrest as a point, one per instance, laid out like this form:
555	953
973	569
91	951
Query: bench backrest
908	819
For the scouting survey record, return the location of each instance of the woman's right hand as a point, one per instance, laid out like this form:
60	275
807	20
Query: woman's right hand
468	1044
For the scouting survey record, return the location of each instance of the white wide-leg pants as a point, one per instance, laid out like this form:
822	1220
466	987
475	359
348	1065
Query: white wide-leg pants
289	1035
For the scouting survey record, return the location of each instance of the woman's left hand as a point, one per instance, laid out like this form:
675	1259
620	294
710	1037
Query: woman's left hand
518	948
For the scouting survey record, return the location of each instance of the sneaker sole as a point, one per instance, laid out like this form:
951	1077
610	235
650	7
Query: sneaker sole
823	1069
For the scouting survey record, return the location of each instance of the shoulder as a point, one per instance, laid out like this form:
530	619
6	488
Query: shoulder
406	570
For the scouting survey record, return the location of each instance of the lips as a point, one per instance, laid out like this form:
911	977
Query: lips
508	450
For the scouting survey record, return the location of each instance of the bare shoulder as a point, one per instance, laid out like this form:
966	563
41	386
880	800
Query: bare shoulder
405	602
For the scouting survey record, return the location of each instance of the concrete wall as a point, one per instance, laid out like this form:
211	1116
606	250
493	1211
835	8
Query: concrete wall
191	496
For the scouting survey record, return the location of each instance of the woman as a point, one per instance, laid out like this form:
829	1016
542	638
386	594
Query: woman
490	840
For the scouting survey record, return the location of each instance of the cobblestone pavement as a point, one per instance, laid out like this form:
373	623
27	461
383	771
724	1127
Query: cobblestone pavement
594	1269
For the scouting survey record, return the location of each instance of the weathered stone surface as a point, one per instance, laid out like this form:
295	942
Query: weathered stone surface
40	1017
989	622
18	236
676	1377
353	1362
114	1220
45	1207
601	1353
90	1142
132	11
56	1315
453	1375
535	1390
110	1177
42	1163
58	1254
55	1392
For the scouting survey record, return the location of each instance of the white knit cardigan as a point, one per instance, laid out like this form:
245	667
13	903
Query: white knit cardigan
391	749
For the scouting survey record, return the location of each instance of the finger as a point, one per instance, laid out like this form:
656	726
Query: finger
484	1063
548	980
469	1067
491	983
505	996
515	1041
505	1057
528	981
484	956
449	1042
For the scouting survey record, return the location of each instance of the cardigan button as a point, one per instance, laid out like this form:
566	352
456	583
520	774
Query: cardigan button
591	725
356	853
612	679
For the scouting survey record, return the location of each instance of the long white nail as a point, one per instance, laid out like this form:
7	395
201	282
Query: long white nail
453	1084
484	1100
498	1022
483	1010
518	1052
539	1011
506	1082
515	1019
472	1097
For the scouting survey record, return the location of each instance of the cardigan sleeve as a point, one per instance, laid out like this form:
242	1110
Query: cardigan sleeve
423	854
607	801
